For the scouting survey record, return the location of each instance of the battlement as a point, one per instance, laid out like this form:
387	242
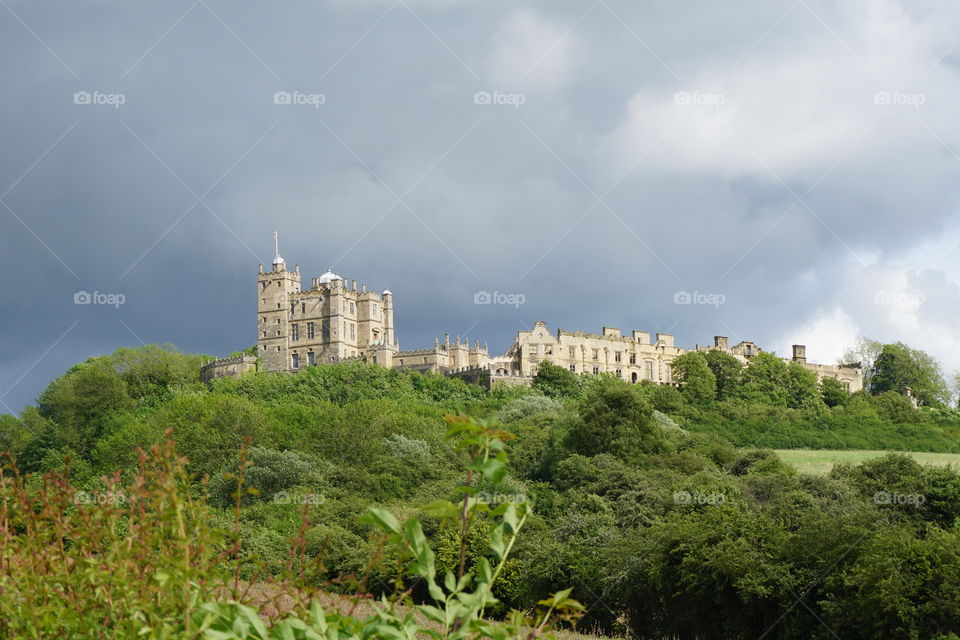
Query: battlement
227	367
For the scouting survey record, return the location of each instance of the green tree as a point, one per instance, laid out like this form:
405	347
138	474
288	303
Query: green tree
726	369
802	386
557	382
904	370
833	392
698	384
615	418
766	380
82	401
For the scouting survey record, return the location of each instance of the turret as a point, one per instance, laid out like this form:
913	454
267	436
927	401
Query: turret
274	300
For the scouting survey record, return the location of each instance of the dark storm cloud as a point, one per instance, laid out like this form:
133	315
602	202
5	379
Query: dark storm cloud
630	152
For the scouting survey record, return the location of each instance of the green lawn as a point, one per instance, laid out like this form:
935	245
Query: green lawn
818	461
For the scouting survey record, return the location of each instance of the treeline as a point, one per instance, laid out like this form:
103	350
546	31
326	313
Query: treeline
773	403
661	528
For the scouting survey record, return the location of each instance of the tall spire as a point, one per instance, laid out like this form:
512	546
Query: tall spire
277	260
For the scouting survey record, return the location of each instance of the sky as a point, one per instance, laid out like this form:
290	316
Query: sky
779	171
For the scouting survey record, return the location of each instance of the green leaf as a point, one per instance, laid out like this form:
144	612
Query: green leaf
383	519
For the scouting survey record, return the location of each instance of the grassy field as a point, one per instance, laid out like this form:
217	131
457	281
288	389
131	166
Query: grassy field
817	461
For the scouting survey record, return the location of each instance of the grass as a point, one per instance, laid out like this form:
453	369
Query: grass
820	461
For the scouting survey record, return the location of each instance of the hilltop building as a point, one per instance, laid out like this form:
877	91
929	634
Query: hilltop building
336	321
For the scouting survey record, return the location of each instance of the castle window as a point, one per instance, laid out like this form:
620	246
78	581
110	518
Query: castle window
310	358
616	356
325	330
596	355
353	308
374	359
310	331
303	307
619	373
596	370
573	353
424	361
401	362
633	377
533	350
296	361
573	367
353	331
648	369
633	358
264	334
295	331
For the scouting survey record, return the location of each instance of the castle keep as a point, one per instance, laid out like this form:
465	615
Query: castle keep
335	321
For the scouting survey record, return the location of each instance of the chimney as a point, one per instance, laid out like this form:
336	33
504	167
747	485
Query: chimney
800	353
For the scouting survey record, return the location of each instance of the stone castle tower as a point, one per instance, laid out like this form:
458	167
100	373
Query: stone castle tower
330	322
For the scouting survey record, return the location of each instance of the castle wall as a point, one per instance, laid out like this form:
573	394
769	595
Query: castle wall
227	367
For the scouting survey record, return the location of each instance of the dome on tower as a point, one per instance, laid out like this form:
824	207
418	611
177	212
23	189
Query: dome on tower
328	277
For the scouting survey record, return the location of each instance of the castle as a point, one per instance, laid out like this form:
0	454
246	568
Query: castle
333	322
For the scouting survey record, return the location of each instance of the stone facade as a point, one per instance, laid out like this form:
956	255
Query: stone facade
227	367
330	322
333	321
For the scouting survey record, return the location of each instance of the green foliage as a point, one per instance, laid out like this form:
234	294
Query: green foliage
633	495
903	370
726	370
698	383
833	392
615	418
557	382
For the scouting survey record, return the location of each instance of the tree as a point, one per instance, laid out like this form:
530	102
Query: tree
614	418
83	400
802	386
865	351
726	369
766	380
698	384
555	381
833	393
906	371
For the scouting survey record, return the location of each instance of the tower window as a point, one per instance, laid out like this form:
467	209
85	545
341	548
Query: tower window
573	367
353	331
295	331
296	361
596	370
310	358
310	331
325	330
616	356
633	358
